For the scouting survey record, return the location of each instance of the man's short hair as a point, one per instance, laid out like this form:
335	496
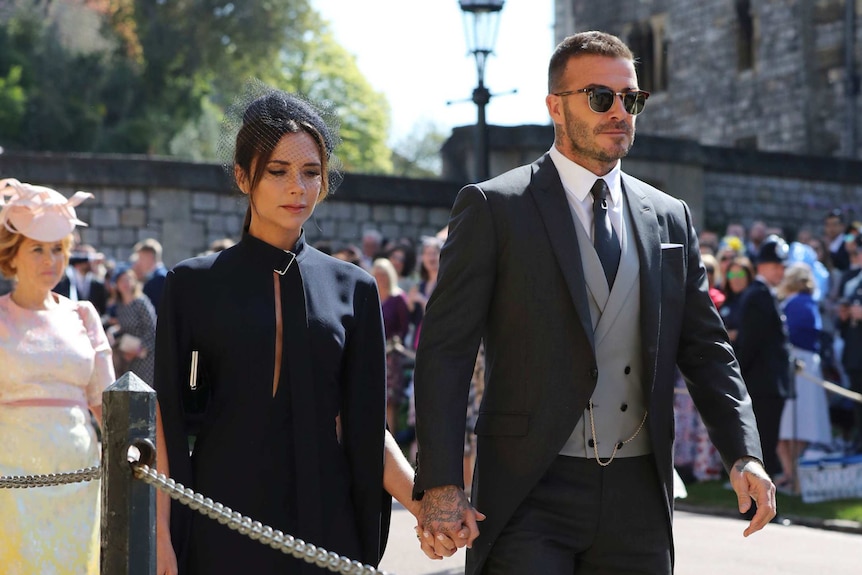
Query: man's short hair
150	245
835	213
372	234
594	43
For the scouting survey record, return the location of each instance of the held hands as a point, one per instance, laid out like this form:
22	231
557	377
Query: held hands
447	521
750	481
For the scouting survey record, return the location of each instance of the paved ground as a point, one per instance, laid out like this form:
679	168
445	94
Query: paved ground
705	545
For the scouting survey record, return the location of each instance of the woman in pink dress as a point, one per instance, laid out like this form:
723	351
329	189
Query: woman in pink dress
56	362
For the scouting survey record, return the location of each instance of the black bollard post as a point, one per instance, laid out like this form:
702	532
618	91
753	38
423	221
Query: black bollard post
128	542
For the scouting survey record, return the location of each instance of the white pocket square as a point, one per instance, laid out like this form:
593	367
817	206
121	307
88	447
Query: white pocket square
670	246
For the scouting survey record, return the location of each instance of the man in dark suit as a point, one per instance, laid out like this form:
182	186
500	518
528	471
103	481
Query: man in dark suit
835	231
850	325
587	288
80	283
762	347
147	262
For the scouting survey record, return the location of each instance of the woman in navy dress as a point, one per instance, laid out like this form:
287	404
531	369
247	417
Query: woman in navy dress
291	354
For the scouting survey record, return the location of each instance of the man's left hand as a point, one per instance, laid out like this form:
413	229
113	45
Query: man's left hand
751	482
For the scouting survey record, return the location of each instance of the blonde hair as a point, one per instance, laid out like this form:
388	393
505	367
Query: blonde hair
384	265
798	278
10	243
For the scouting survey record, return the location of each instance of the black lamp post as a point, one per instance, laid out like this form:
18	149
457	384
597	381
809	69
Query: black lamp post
481	21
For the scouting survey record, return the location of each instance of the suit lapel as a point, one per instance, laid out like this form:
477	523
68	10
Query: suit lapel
547	191
647	237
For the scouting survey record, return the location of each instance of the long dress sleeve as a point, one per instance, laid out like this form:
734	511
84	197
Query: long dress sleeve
170	375
363	417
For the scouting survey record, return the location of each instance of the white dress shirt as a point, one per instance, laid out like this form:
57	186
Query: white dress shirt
577	182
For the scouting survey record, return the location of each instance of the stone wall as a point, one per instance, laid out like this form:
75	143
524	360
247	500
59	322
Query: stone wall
720	185
793	99
187	205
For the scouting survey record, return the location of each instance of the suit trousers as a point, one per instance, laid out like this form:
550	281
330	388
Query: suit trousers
584	519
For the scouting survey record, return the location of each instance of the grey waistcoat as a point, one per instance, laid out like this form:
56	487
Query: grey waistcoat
618	402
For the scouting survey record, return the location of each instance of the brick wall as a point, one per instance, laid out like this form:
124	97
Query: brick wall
186	205
792	100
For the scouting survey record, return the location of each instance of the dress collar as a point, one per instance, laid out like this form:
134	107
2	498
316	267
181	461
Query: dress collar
268	255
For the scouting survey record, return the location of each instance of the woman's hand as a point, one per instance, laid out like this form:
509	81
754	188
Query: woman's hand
435	548
166	559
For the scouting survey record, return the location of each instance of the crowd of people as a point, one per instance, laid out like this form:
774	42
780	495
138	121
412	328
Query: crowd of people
791	313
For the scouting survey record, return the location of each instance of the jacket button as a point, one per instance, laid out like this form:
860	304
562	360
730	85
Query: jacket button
628	369
624	407
591	443
594	373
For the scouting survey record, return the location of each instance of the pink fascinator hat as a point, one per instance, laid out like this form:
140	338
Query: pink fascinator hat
39	213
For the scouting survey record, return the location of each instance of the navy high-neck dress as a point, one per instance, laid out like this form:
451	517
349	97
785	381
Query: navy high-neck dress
275	457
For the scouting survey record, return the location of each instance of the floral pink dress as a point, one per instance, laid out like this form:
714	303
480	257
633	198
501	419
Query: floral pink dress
53	365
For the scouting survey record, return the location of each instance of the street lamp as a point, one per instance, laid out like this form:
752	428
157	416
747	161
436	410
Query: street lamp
481	21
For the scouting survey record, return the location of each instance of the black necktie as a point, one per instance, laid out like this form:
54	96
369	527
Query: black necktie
605	238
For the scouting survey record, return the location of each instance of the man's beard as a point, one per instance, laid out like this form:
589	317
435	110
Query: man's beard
582	139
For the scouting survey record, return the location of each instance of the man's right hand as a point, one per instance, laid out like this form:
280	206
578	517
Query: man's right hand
447	511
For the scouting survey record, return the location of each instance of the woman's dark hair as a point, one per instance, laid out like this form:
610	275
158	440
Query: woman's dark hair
740	262
409	250
265	121
428	242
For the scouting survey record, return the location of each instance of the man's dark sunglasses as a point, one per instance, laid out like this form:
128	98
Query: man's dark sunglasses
601	99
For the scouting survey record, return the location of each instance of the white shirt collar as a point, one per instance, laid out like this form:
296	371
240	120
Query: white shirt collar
577	180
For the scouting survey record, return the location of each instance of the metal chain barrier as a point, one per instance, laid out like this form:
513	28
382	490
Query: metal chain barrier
255	530
26	481
834	388
827	385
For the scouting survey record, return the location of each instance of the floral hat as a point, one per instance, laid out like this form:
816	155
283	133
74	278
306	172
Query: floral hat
39	213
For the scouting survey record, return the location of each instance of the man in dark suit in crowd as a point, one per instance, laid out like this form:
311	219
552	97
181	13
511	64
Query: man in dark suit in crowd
850	326
587	288
147	262
80	283
834	231
762	347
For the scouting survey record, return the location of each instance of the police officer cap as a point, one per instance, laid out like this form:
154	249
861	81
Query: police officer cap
773	250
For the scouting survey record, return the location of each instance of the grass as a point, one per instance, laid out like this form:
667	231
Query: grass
713	494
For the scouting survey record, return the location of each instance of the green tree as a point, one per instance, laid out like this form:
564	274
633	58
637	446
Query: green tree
417	155
12	102
312	63
152	76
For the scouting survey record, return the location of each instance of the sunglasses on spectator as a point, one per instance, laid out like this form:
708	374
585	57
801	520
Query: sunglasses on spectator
601	99
736	275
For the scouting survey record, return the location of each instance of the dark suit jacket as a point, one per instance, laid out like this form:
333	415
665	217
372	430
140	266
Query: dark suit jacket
511	273
98	293
851	332
762	343
154	286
